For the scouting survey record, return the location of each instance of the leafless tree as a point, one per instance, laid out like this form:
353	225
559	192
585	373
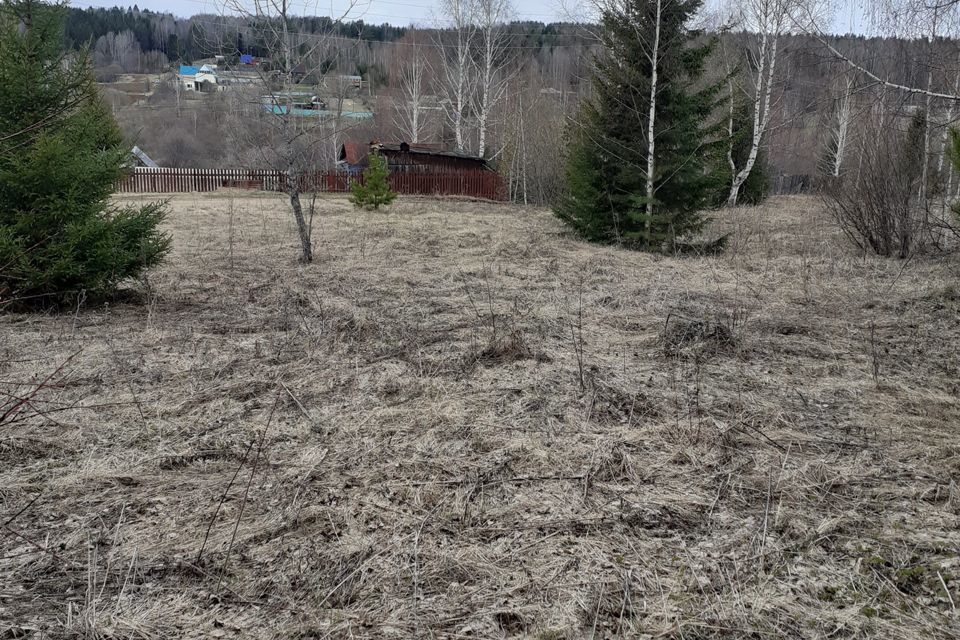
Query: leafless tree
458	69
491	60
840	127
121	49
879	208
895	18
654	56
410	117
530	137
291	141
767	21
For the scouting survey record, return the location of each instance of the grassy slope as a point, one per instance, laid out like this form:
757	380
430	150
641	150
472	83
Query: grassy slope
463	423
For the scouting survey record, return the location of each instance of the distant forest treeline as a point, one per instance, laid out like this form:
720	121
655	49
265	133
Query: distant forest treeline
187	39
143	34
140	40
548	67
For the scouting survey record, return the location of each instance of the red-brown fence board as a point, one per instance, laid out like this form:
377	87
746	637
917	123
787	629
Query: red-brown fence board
476	184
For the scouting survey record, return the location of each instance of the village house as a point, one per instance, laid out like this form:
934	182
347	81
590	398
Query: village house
403	157
203	79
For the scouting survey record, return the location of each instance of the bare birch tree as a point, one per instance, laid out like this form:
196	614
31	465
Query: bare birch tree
767	21
654	56
840	128
291	142
491	63
410	118
457	60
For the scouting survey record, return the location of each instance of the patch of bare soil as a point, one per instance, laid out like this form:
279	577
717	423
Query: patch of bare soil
461	422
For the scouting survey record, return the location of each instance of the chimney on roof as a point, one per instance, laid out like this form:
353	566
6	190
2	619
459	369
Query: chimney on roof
404	147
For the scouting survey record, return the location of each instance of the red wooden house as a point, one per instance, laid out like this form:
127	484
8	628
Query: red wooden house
407	158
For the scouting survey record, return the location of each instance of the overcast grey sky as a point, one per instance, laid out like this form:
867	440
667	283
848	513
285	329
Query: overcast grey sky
420	12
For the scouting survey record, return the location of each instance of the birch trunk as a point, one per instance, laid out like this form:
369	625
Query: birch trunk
652	117
730	161
412	80
457	66
761	109
925	171
461	93
843	127
486	84
491	84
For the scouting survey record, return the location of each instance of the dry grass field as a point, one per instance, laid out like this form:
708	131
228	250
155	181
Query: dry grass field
462	422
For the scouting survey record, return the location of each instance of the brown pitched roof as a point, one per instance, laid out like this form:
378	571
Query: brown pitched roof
354	153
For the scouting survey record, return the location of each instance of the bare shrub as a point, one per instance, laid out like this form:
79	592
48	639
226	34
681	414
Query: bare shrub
878	205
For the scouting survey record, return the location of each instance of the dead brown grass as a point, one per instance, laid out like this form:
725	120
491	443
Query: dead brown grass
462	422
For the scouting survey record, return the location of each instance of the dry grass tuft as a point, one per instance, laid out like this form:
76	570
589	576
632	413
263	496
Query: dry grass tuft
463	423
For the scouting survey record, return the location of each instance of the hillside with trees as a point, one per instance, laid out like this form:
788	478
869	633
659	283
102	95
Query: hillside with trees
799	112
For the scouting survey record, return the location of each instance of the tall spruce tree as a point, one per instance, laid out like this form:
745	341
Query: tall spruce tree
649	78
61	152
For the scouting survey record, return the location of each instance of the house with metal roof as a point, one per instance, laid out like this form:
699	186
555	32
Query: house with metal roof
198	79
187	76
403	157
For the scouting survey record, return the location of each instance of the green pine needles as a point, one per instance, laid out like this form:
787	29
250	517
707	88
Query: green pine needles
373	191
61	152
609	150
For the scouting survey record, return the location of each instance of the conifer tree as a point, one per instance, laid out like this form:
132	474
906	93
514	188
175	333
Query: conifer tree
624	184
374	191
61	153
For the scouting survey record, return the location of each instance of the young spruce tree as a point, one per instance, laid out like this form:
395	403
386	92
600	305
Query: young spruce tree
648	79
374	191
61	152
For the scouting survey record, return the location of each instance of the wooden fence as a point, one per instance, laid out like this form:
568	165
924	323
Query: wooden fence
475	184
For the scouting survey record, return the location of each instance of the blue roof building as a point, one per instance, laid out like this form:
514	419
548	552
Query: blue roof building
188	71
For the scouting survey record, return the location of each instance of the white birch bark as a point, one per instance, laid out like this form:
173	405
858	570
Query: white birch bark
491	59
458	65
842	129
769	18
409	117
652	115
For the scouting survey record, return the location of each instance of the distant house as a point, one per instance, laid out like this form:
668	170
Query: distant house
199	79
206	78
188	77
409	158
